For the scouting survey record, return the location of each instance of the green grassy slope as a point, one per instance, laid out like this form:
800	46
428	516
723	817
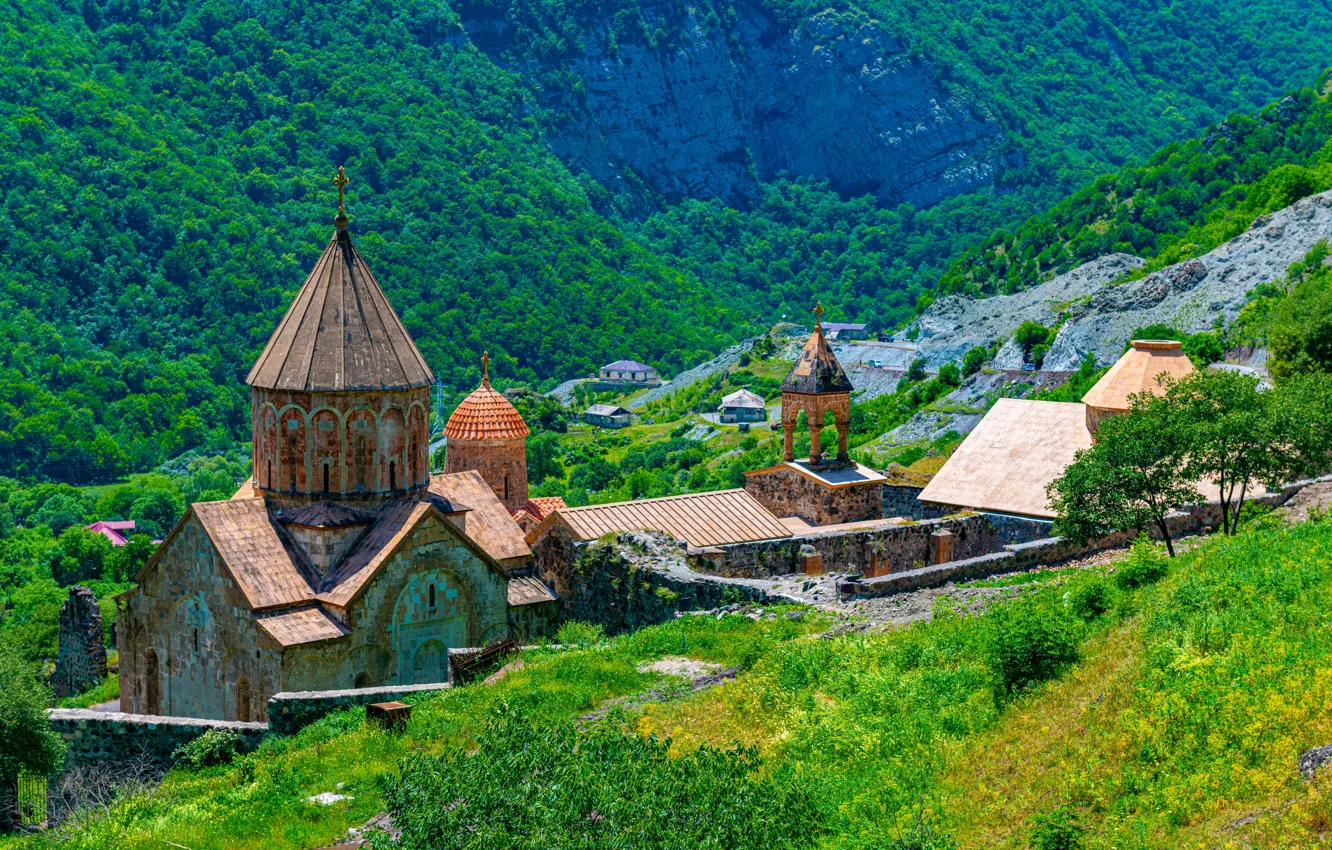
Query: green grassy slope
1178	725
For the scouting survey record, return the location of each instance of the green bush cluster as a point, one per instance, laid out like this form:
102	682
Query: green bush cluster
1145	564
212	748
1029	644
526	785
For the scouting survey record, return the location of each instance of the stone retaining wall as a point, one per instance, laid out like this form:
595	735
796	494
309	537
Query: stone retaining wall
1016	557
94	737
900	500
886	548
292	711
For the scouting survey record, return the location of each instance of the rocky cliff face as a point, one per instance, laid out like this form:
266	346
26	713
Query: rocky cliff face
1100	317
835	98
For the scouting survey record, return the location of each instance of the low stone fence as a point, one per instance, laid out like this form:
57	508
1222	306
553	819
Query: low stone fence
97	737
900	500
291	711
1016	557
871	551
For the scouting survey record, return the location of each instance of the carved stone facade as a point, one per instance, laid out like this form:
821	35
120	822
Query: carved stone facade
354	445
81	661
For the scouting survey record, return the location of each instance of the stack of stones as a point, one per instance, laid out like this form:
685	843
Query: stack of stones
81	661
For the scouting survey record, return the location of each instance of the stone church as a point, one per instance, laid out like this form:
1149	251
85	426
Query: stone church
343	562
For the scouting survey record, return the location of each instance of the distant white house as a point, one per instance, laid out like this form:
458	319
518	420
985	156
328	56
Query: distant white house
742	406
629	372
845	330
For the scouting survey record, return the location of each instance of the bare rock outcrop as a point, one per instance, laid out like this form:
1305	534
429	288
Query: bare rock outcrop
81	657
1100	315
836	97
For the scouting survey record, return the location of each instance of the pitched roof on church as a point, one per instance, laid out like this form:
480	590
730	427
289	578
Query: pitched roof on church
485	415
488	522
1005	464
817	370
306	624
326	514
1138	371
269	571
340	333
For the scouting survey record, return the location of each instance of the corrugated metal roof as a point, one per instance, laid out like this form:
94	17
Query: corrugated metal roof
606	410
306	624
628	366
700	519
1006	463
340	333
742	398
1138	371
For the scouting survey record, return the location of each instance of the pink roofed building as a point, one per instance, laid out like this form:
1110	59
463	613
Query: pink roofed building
117	531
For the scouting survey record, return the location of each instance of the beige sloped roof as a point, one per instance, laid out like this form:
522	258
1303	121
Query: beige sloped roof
1005	464
528	590
1138	371
270	572
306	624
340	333
699	519
488	522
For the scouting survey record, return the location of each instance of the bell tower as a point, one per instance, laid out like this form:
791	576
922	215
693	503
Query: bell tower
340	396
817	384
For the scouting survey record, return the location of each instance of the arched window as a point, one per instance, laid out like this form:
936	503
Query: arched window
325	478
506	488
268	479
432	596
393	475
152	685
196	640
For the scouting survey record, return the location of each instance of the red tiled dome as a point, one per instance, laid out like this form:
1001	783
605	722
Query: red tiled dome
485	415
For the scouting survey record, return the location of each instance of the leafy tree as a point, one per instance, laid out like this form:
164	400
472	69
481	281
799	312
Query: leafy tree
1240	438
80	557
543	457
155	511
596	474
1136	472
1030	334
916	371
27	743
124	562
974	360
59	513
950	375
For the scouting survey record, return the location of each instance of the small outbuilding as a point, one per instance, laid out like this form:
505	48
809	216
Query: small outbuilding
608	416
629	372
845	330
742	406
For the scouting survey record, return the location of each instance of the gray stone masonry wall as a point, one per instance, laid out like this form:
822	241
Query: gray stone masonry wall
109	736
610	585
290	712
891	548
786	492
1016	557
81	659
900	500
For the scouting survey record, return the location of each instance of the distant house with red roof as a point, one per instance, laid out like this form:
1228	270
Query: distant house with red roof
117	531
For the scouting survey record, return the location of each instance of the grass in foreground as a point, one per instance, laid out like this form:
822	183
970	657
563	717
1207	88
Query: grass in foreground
1096	706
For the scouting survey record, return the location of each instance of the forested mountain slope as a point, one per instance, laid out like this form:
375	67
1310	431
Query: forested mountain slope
166	187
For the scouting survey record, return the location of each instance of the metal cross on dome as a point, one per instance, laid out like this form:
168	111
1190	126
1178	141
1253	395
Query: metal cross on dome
818	314
341	182
485	368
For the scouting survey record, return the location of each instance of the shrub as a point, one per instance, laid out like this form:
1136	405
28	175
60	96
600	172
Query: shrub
1029	643
214	747
548	785
578	633
1145	564
924	834
1058	830
1089	599
26	740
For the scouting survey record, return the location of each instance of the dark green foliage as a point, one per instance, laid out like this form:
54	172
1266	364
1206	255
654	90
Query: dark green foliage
1028	644
1031	334
916	371
924	834
1202	348
26	740
214	747
543	457
974	360
950	375
1078	383
1090	598
1187	199
1145	564
1058	829
528	786
1299	320
578	633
